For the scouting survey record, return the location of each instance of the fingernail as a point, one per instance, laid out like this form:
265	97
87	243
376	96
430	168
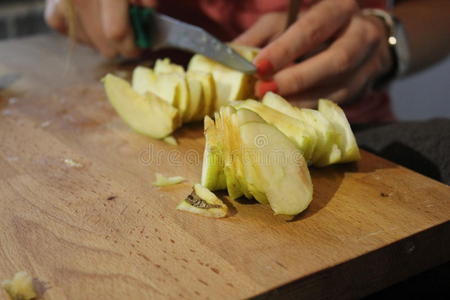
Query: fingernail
262	87
264	68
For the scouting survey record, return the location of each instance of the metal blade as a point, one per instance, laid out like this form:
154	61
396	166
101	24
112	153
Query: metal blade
170	32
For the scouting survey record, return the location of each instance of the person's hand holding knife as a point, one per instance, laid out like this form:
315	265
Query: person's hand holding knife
101	24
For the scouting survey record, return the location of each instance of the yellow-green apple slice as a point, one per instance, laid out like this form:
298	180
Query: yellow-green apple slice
163	85
297	131
172	87
146	114
182	96
165	66
196	99
230	84
233	166
144	80
325	151
208	94
281	171
203	202
244	116
20	287
249	53
224	133
346	139
213	177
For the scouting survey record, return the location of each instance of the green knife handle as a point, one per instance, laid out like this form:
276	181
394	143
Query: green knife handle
142	21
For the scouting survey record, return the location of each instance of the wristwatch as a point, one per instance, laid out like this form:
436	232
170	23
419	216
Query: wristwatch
397	41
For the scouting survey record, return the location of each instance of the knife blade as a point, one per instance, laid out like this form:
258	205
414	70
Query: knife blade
157	31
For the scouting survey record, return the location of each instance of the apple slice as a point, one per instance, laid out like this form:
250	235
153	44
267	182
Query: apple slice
325	150
171	87
165	66
280	170
230	84
208	94
249	53
164	85
213	177
196	98
249	177
203	202
297	131
234	187
346	139
146	114
245	116
144	80
233	166
20	287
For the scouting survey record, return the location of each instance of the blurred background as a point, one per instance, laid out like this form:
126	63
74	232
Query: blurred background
422	96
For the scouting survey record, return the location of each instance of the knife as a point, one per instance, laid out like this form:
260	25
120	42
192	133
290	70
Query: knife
156	31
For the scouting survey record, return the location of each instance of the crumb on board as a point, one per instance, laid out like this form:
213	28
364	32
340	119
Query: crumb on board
384	194
162	180
20	287
170	140
72	163
45	124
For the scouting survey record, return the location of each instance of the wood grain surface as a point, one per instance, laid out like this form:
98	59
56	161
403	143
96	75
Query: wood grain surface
100	230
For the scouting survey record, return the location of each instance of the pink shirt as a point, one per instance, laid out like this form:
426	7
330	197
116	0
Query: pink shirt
228	18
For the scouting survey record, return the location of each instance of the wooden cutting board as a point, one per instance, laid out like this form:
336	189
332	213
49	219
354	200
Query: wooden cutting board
99	229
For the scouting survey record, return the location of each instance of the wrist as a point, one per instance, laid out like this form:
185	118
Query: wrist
397	43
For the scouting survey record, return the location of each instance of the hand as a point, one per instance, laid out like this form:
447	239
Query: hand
356	53
101	24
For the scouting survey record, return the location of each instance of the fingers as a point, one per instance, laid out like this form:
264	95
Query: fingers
117	28
342	72
349	51
347	89
54	16
103	24
315	27
263	30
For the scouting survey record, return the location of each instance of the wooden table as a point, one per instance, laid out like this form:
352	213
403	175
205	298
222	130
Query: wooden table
99	229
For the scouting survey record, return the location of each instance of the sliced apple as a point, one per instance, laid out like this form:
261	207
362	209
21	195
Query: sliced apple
146	114
233	165
249	176
165	66
208	94
245	116
280	171
196	98
346	139
325	150
223	124
213	177
144	80
20	287
249	53
203	202
297	131
230	84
